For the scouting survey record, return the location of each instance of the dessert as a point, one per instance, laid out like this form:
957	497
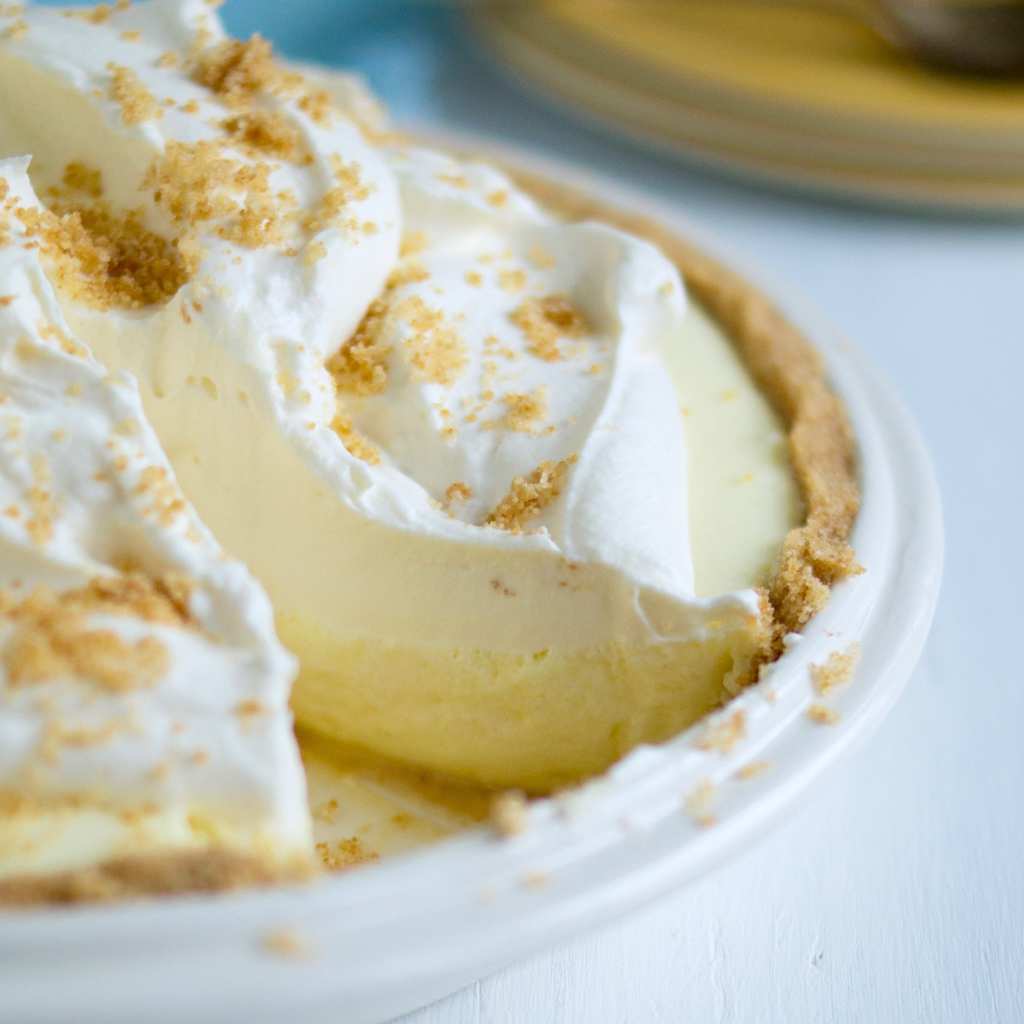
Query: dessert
424	404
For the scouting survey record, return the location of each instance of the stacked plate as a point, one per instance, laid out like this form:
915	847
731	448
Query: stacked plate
796	94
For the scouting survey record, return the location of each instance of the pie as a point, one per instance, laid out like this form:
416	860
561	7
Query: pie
299	415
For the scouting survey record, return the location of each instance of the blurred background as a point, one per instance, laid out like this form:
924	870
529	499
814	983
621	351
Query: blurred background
918	102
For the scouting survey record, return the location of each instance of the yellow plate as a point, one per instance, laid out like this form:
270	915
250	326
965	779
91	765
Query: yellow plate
774	57
940	171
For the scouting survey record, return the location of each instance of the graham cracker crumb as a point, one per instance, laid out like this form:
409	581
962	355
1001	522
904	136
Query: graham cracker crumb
699	803
349	188
823	715
98	15
355	442
236	70
529	495
524	411
41	503
838	669
345	854
455	180
436	352
6	300
16	30
79	177
208	870
326	812
52	641
249	708
318	105
196	183
455	493
360	366
509	814
137	103
266	132
99	257
167	59
511	280
544	321
723	732
412	243
540	257
288	943
314	253
407	272
752	769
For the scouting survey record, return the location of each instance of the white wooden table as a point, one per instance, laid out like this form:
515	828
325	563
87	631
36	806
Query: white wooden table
896	893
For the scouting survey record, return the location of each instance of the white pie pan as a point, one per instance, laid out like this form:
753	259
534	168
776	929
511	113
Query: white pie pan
390	937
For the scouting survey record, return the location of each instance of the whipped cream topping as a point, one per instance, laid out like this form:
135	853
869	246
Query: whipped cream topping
139	670
498	423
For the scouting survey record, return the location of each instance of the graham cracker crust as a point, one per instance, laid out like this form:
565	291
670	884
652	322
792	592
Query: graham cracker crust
814	556
147	875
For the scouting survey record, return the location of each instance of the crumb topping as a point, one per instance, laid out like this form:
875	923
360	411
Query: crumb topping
137	103
355	442
540	257
360	366
196	183
16	30
436	352
236	70
511	280
838	669
456	493
98	256
41	503
98	15
346	853
509	814
524	411
349	187
288	943
546	320
52	640
270	133
724	732
820	714
529	495
699	803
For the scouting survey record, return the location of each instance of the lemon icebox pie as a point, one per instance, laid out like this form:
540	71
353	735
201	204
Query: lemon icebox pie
300	417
